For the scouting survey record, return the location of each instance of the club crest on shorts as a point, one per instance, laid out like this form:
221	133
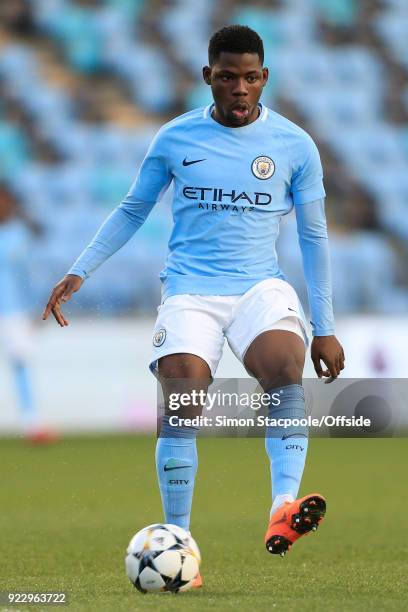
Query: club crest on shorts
159	337
263	167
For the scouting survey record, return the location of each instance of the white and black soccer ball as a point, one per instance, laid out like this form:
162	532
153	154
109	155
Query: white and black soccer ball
162	557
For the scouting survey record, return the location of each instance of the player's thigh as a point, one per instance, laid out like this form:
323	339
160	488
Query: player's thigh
183	365
268	333
188	341
276	357
192	325
186	376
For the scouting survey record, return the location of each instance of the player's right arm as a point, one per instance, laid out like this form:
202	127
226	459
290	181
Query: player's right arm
153	179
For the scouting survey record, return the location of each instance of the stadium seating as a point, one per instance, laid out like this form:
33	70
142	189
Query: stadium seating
70	166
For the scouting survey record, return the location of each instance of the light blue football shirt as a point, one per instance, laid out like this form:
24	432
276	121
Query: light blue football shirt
231	188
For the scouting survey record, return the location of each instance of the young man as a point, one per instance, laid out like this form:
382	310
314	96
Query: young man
237	167
15	327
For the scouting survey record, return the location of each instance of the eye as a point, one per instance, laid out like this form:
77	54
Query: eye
226	77
252	78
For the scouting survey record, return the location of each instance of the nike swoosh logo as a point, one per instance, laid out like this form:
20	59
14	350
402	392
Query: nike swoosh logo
296	435
176	467
194	161
292	309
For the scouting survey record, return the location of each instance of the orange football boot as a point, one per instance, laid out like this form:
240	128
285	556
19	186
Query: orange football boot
292	520
41	437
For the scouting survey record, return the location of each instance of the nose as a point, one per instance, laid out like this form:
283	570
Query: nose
240	88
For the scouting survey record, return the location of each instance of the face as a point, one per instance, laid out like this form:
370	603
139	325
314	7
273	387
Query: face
236	81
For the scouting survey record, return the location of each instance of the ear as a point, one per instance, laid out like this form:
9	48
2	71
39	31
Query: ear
207	74
265	75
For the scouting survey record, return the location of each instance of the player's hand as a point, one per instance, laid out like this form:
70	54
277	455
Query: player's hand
329	350
61	293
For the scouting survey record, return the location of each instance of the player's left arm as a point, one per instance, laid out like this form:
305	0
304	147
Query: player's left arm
308	196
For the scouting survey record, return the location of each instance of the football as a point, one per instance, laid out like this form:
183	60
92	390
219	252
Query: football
162	558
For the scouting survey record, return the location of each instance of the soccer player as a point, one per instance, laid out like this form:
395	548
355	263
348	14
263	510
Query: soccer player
237	168
15	329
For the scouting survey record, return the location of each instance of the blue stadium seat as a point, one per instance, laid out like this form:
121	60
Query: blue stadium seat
340	90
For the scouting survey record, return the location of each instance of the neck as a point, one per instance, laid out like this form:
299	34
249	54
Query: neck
220	118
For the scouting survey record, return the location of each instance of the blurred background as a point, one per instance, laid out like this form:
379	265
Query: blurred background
84	86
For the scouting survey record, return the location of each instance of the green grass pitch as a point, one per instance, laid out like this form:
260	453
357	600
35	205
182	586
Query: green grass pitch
68	512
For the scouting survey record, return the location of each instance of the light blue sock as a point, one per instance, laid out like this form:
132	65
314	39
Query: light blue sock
25	394
176	463
286	447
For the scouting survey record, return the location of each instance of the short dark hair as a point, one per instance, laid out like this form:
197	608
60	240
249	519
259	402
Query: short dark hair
235	39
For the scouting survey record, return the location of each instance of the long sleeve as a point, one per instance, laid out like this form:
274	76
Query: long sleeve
152	180
313	240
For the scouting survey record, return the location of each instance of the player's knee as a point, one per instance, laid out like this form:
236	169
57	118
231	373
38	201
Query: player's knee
287	371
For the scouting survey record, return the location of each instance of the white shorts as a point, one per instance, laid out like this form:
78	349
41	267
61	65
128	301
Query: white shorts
199	324
15	336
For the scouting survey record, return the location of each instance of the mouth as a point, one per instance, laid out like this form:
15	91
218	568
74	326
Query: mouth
240	111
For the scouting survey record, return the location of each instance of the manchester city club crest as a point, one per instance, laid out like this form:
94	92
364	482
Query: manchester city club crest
159	337
263	167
